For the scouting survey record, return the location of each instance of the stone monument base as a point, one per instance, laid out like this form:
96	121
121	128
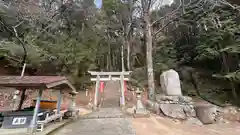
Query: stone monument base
177	107
140	113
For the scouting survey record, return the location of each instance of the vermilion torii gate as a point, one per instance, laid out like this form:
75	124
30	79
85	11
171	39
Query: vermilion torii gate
108	76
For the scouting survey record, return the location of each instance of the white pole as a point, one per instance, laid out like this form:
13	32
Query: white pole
122	89
23	70
96	91
36	110
59	102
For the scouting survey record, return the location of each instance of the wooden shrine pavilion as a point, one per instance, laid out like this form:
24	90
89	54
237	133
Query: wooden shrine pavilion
38	83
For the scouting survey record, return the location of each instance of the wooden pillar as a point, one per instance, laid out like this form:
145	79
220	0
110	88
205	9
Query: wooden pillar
96	91
122	89
59	102
36	110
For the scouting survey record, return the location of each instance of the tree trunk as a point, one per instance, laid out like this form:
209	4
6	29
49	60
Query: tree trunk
129	37
148	42
109	58
128	56
227	70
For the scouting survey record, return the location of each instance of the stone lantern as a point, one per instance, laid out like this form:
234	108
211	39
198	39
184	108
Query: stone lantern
72	107
140	110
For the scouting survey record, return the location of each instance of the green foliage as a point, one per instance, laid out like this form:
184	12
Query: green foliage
69	41
111	6
215	41
60	46
205	38
138	77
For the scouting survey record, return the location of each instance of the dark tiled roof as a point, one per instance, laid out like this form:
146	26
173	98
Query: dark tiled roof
29	80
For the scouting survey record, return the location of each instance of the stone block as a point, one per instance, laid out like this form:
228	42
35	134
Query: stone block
206	113
174	99
177	111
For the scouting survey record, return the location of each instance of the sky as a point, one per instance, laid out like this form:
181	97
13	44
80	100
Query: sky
160	3
165	2
98	3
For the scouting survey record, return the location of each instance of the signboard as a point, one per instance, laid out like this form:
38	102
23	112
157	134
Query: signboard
19	121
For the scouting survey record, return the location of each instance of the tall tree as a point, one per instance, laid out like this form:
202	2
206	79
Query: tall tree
146	6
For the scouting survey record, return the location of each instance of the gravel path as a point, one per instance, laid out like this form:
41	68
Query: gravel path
100	126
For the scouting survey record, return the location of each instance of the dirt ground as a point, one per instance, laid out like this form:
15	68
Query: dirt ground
155	125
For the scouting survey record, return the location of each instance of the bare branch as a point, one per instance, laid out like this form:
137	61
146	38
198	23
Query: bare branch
170	14
175	19
14	28
176	10
18	24
149	4
229	4
190	2
21	42
155	2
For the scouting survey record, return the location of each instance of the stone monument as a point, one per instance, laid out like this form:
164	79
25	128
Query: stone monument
172	103
170	83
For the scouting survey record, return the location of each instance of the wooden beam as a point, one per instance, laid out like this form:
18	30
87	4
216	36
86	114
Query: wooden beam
109	73
54	84
109	79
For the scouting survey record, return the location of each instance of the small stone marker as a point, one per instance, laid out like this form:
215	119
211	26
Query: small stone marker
170	83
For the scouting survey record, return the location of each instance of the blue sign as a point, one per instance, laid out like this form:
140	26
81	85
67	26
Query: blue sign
98	3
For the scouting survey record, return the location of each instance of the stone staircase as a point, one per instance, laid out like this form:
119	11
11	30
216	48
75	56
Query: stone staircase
112	95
